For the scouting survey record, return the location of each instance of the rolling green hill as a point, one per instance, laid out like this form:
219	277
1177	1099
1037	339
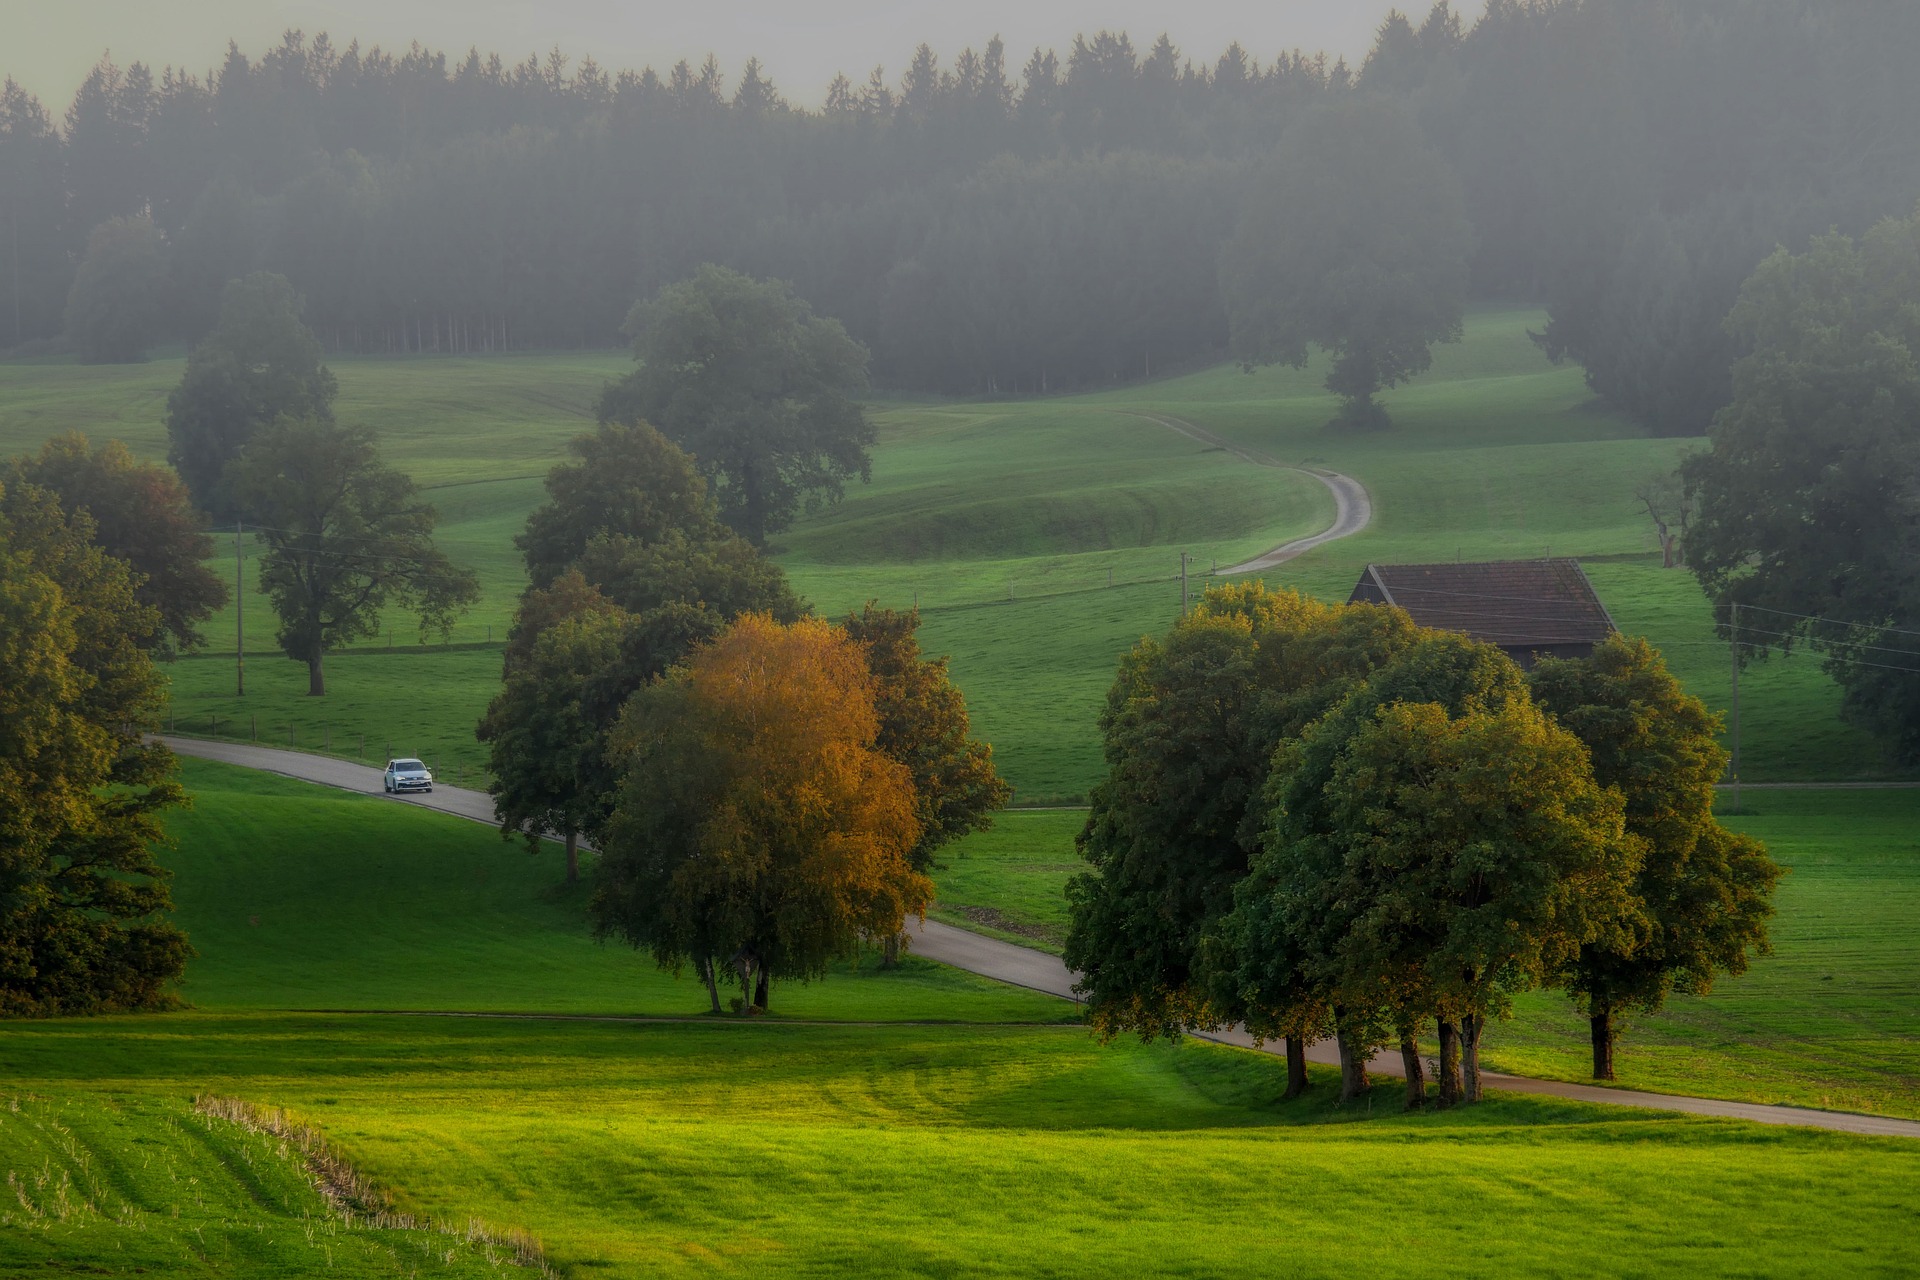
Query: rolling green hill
1005	522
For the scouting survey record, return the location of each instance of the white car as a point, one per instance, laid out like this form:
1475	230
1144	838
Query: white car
407	775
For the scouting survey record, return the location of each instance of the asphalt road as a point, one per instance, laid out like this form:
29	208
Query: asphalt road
1040	971
1352	508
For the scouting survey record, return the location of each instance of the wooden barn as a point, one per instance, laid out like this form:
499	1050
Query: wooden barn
1529	608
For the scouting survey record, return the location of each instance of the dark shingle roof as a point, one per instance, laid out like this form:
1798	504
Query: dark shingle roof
1516	604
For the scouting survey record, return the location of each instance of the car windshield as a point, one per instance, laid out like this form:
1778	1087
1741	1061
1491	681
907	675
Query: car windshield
409	766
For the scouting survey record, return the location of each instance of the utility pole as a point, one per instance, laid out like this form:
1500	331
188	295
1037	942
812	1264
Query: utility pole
239	616
1734	719
1183	584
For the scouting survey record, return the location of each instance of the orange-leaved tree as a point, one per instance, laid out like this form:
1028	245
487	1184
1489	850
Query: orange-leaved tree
759	833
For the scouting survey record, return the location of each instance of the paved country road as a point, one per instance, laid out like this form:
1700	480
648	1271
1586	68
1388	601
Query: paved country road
1037	970
1352	508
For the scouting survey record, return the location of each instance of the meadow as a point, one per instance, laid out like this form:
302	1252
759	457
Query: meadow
1005	523
1829	1020
913	1122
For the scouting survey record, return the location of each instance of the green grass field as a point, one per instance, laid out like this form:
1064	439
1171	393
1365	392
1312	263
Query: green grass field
1004	522
765	1150
1829	1020
301	897
914	1122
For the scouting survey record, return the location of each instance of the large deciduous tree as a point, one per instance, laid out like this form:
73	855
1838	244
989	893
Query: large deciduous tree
1430	845
142	514
1354	240
764	393
630	482
1702	894
1809	498
1189	733
924	726
345	536
759	830
258	365
117	307
83	900
628	546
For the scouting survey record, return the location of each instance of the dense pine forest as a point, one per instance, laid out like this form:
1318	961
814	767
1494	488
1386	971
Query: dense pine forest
984	222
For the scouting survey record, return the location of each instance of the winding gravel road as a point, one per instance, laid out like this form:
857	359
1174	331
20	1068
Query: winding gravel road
1037	970
1352	508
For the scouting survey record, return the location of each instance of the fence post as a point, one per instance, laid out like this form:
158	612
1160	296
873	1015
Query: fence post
253	727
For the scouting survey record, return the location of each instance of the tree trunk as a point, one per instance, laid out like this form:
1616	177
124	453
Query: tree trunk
744	965
1353	1067
1448	1068
1470	1028
890	953
1416	1073
1297	1082
713	988
1602	1024
760	989
573	856
316	678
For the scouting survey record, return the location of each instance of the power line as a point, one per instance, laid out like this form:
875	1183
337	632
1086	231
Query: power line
1832	622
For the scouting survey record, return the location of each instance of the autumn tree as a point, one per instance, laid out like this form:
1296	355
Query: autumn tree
346	535
117	307
1702	894
765	394
1355	241
83	899
139	513
1189	731
629	546
759	831
924	726
260	364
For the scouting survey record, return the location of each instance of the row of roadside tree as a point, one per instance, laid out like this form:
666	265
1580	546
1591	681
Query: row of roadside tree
1328	821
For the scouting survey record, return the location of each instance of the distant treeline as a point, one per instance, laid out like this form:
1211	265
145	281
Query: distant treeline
983	227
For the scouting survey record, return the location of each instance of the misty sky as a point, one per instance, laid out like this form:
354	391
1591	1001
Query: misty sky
47	45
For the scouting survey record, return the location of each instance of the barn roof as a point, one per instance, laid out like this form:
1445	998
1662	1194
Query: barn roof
1520	605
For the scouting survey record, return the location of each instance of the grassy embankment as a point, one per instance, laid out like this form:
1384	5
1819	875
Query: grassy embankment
784	1146
1494	453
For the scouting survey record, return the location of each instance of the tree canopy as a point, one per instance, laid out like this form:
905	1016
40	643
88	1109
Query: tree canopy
923	725
83	898
630	563
260	364
630	482
142	514
345	537
1702	894
1353	241
988	220
117	306
1189	732
1809	497
1431	845
759	832
762	392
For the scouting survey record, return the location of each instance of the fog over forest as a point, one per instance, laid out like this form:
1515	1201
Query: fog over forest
990	219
